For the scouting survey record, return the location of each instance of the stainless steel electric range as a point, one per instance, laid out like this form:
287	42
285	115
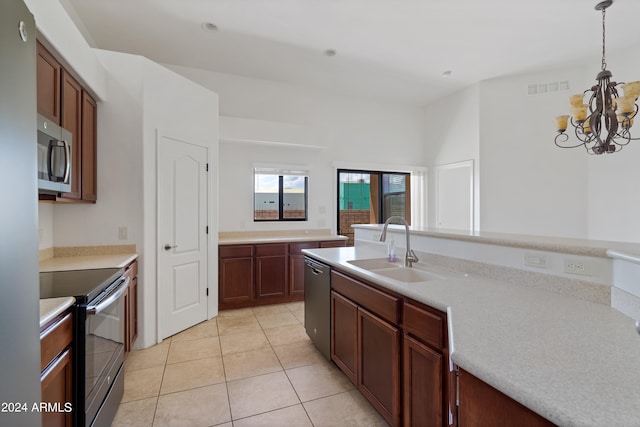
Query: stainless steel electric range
99	325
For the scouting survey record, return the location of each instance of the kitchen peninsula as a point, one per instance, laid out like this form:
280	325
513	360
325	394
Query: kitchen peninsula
549	341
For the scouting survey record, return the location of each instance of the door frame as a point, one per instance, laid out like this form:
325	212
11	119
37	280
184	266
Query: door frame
212	211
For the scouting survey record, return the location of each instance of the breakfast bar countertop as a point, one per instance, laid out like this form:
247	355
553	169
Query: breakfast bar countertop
574	362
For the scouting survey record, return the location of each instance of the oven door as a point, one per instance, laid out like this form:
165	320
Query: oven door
104	353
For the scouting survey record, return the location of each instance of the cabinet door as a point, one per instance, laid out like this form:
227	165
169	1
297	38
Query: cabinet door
344	335
236	280
89	148
379	364
57	386
296	275
272	270
296	266
48	84
71	119
423	385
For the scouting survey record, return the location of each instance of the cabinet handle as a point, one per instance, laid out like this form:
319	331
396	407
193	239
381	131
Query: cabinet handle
168	247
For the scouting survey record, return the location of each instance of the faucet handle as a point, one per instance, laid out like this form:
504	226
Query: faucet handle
413	256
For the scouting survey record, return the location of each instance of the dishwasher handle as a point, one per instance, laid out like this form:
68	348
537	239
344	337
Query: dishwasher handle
316	268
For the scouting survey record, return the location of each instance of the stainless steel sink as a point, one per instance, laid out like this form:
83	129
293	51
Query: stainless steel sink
396	271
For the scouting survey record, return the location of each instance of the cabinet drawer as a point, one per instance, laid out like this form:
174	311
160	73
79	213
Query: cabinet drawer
54	339
425	324
296	248
271	249
333	243
378	302
235	251
132	270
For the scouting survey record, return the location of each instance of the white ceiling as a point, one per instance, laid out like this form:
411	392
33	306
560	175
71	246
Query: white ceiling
394	50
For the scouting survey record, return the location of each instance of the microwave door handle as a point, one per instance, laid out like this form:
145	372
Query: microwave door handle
67	161
50	164
95	309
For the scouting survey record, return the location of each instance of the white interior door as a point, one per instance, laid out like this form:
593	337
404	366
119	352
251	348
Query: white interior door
454	191
182	235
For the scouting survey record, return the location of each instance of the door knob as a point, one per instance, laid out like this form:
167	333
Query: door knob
168	247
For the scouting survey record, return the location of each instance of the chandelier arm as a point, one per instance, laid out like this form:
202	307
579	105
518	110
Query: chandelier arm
563	137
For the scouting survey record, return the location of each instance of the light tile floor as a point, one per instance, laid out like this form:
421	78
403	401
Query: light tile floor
247	367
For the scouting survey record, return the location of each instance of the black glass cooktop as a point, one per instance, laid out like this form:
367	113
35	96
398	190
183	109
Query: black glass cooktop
84	285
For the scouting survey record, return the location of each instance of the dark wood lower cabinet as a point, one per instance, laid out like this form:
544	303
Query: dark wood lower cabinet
237	276
366	345
423	385
267	273
271	271
482	405
56	377
378	336
344	339
379	367
56	383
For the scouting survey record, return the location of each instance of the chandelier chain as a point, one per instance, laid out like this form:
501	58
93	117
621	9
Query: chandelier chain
604	62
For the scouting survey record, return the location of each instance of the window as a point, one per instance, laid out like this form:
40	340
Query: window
280	195
371	197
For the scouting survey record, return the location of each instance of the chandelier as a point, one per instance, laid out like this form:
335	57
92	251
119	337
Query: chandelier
603	124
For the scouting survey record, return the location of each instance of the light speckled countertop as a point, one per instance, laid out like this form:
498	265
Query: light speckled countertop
572	361
86	262
276	236
50	308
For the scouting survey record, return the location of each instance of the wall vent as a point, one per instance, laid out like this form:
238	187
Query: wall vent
548	87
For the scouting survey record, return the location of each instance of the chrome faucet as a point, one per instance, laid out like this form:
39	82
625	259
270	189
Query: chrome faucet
409	257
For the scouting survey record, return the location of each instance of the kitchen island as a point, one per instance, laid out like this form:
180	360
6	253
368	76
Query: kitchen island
572	361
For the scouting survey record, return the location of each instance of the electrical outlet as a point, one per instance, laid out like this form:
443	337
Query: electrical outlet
123	233
577	266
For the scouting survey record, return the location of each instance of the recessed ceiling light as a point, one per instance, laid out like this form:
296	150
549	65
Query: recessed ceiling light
209	26
447	73
330	52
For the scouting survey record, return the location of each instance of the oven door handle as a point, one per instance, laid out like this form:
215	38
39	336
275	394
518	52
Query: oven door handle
95	309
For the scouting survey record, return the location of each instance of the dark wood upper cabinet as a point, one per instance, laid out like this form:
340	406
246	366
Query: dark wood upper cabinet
62	99
48	84
71	120
89	142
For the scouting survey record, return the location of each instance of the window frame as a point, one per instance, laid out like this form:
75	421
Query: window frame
281	173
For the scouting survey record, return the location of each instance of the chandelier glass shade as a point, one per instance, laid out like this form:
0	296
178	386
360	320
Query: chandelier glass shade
603	124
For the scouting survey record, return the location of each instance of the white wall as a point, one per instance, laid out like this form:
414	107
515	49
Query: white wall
614	180
527	184
352	131
452	135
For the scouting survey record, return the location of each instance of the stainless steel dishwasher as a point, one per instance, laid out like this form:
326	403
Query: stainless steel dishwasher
317	304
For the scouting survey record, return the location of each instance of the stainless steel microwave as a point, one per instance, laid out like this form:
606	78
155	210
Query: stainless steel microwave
54	157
